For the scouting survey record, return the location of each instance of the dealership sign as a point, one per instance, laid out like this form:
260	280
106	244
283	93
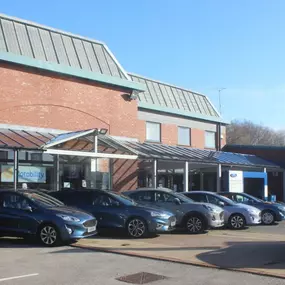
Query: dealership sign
27	174
236	181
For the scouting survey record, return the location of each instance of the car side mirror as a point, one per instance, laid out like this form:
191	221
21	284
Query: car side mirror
221	204
177	201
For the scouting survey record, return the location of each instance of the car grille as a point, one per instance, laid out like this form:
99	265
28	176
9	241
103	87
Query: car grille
222	215
90	223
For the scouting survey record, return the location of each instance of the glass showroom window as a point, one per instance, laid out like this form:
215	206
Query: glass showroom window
210	139
152	132
184	136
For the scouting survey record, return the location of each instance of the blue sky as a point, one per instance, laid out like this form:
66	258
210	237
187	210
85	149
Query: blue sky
202	45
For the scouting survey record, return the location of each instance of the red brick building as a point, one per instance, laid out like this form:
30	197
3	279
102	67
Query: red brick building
52	82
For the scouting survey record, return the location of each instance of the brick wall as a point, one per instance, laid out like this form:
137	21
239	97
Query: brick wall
169	134
125	174
51	101
35	98
198	138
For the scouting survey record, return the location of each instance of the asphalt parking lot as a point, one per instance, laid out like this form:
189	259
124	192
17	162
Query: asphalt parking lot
23	263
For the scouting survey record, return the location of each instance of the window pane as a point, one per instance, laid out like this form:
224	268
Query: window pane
210	139
152	131
183	136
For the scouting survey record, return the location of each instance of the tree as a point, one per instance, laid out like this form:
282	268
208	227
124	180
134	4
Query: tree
248	133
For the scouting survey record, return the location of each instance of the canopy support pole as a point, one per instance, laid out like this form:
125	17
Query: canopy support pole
16	168
154	174
186	177
219	177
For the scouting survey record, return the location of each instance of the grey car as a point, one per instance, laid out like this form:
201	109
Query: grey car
195	217
237	216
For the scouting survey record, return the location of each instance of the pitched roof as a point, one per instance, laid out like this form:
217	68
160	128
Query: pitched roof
168	98
195	155
43	43
31	138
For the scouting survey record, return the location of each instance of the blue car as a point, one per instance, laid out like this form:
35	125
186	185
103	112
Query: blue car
26	213
114	211
270	212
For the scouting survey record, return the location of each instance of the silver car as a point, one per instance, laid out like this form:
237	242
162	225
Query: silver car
195	217
237	216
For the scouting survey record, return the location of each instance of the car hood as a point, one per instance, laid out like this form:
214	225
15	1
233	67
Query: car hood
70	211
153	209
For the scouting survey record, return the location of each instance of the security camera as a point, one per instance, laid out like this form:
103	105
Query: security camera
134	95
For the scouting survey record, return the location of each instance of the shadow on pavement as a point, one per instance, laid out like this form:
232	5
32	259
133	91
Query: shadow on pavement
18	243
267	255
115	234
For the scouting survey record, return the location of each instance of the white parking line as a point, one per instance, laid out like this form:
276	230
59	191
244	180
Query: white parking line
18	277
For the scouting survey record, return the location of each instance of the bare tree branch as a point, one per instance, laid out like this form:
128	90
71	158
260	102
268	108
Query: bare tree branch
248	133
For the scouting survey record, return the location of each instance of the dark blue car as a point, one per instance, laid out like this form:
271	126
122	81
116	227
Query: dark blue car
114	211
27	213
270	212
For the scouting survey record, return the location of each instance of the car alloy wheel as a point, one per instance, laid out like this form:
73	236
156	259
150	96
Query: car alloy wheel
267	218
48	235
136	228
237	222
195	225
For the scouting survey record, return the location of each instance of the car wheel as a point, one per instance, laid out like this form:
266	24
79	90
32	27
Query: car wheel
237	221
195	225
267	218
136	228
48	235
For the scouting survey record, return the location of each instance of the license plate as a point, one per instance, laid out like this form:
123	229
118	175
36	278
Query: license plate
91	229
173	224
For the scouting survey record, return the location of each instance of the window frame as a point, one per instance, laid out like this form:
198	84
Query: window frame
215	140
154	123
189	135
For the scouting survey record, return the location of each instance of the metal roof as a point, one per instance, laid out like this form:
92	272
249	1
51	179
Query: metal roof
172	97
165	152
76	141
47	44
37	140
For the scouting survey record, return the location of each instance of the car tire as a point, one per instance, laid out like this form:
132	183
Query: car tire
136	228
267	218
48	235
195	224
237	222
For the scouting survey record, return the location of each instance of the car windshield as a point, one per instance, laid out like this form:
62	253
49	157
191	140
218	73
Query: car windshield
227	200
252	198
124	199
43	199
183	198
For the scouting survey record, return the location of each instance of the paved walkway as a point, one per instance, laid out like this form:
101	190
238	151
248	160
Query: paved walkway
235	250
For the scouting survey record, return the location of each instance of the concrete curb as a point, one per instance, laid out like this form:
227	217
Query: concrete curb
260	272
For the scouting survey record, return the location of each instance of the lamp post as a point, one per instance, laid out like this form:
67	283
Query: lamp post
219	124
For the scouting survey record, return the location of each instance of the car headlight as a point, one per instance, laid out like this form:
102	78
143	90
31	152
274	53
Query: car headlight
68	218
158	214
